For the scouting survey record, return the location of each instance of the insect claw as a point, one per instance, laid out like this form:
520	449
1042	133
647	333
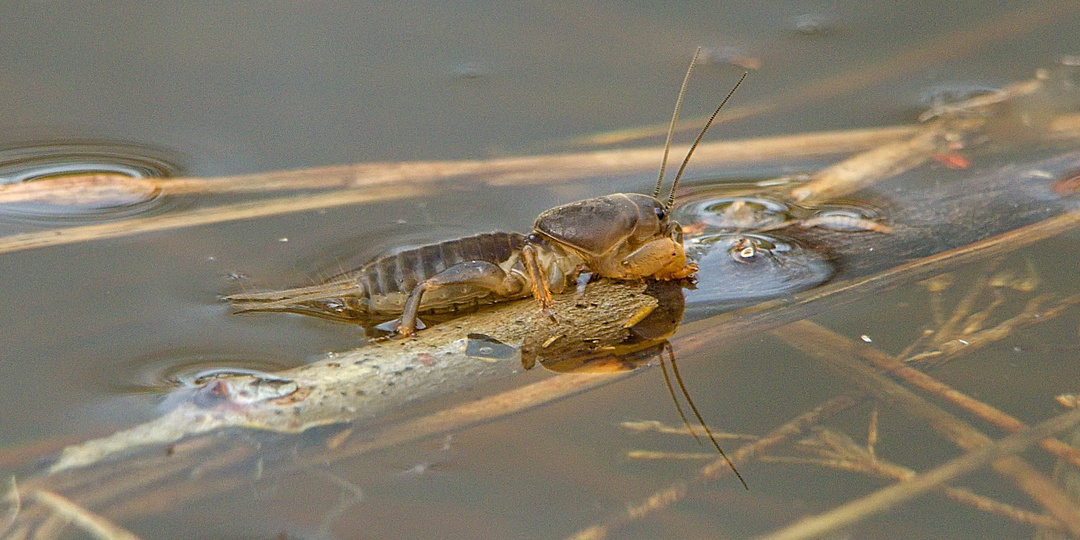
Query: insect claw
399	328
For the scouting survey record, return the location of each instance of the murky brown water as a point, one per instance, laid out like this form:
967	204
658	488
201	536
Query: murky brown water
94	332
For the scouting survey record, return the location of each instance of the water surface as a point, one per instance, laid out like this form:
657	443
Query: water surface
220	89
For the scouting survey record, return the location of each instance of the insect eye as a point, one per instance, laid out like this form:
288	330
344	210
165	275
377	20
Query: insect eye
661	212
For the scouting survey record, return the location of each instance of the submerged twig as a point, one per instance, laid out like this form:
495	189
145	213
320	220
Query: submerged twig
95	525
887	498
13	502
675	492
841	453
917	378
839	354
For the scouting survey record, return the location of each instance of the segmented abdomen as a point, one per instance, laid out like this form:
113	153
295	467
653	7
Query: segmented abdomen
377	290
386	279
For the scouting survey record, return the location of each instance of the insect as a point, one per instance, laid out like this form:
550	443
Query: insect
623	236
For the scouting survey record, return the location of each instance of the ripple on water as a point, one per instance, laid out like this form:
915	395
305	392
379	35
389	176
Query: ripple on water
60	183
166	373
734	212
738	268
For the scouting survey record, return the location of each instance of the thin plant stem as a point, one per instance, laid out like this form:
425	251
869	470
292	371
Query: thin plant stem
840	355
855	511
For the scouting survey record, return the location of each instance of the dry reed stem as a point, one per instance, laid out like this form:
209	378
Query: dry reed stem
541	169
840	355
855	511
383	182
655	454
882	162
99	189
973	104
548	169
202	216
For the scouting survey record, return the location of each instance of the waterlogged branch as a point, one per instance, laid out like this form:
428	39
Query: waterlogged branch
385	375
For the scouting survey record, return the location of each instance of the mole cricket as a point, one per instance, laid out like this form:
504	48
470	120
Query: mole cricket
625	236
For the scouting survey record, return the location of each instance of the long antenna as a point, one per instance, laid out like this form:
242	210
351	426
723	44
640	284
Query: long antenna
671	198
674	120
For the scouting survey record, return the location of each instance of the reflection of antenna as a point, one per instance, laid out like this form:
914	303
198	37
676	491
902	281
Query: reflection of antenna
686	394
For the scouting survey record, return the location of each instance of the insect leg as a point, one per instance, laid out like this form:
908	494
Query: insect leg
482	274
661	258
537	277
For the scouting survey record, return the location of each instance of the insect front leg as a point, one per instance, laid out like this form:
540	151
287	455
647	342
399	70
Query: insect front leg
481	274
537	277
662	258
